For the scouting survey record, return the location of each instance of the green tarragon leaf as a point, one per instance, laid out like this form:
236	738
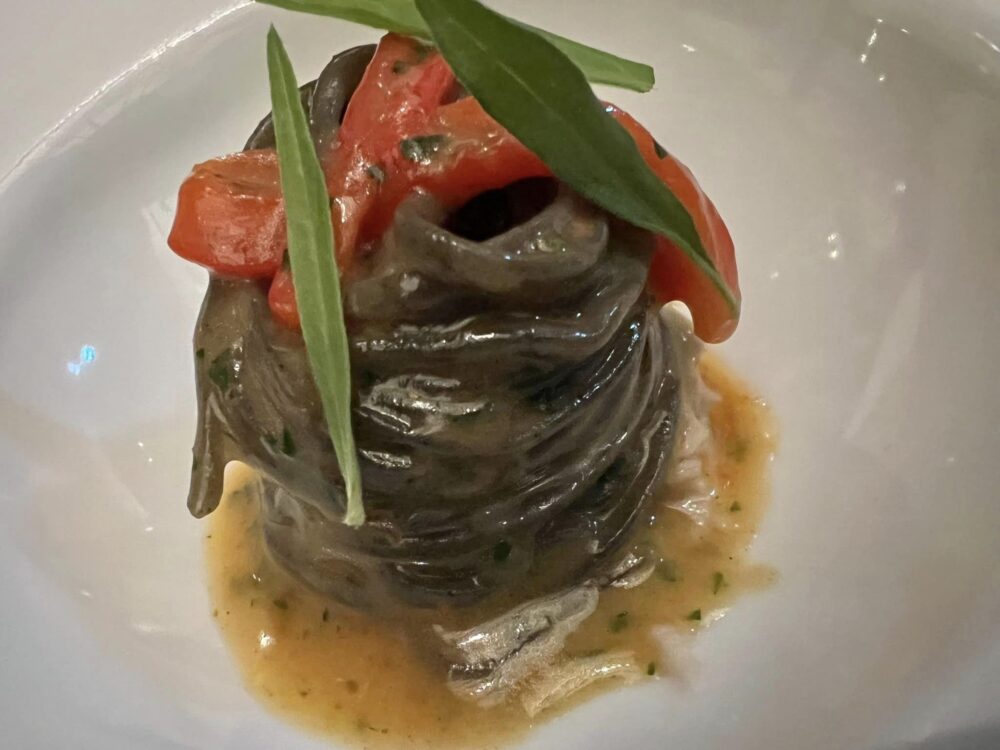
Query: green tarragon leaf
402	17
314	268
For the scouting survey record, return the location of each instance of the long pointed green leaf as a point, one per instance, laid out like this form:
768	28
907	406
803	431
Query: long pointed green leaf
314	269
540	96
402	17
602	67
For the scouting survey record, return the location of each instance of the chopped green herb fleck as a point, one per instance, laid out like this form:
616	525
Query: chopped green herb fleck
422	148
287	443
422	51
667	570
735	507
544	399
200	354
370	728
619	622
660	151
376	173
220	371
502	551
696	615
280	603
651	669
737	449
718	582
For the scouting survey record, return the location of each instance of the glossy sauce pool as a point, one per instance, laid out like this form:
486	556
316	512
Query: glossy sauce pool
370	683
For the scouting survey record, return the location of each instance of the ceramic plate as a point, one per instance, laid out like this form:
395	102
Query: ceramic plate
854	148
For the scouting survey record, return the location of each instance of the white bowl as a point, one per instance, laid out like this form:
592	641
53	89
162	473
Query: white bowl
854	149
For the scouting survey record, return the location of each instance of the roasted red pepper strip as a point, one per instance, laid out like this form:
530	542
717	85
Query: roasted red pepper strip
461	153
403	86
674	276
231	216
399	135
281	300
476	155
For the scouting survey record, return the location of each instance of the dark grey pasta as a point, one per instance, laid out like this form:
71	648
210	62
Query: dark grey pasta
515	396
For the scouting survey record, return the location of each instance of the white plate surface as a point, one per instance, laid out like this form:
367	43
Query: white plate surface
854	148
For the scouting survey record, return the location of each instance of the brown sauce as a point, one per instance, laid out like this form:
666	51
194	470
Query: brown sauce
367	683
